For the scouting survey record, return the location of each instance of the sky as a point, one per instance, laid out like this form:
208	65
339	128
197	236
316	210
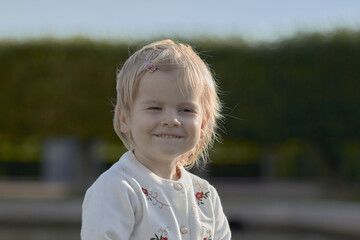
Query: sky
264	20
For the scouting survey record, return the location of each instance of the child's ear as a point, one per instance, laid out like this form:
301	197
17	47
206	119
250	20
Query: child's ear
123	120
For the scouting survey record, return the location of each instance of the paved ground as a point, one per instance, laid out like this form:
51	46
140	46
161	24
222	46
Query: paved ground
260	211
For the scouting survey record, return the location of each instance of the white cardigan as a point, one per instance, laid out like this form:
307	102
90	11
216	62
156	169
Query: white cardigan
129	201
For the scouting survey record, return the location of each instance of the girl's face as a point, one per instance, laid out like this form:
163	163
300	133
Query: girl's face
164	121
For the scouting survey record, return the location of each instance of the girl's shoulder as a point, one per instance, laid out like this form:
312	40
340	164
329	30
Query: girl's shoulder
202	185
114	179
197	179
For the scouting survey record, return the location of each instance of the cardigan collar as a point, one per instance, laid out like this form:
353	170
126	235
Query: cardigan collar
130	164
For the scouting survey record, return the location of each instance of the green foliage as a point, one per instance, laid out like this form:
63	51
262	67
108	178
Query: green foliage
113	151
236	152
351	163
50	88
296	158
304	88
22	150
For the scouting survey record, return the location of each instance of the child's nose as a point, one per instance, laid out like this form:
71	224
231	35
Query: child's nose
170	120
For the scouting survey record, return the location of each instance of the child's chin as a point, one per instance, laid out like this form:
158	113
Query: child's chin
168	154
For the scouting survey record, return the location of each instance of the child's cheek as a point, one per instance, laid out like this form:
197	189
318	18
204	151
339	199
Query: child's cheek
194	124
149	118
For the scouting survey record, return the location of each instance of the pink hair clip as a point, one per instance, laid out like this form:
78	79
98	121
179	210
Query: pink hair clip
147	64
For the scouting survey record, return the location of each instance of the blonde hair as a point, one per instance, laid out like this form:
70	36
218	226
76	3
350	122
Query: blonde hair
169	56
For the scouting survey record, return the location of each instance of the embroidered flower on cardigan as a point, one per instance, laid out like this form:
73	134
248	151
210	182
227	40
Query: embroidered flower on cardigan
152	196
144	191
206	234
163	232
201	194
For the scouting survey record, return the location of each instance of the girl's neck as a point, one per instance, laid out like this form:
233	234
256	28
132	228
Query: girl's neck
164	170
173	174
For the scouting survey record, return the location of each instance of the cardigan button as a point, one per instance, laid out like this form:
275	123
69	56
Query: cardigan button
184	230
178	186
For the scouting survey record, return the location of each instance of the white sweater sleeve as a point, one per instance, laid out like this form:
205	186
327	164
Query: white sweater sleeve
108	210
222	229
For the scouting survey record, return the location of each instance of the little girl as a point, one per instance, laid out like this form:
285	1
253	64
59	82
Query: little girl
166	115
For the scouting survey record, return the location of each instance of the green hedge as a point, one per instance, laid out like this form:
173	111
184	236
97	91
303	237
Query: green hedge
304	89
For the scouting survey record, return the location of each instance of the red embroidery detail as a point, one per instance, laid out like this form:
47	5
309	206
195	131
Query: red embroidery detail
199	195
202	193
144	191
163	232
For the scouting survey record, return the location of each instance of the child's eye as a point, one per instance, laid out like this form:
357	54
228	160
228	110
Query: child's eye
187	110
154	108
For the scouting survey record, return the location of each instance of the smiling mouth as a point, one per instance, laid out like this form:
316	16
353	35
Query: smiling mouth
167	136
